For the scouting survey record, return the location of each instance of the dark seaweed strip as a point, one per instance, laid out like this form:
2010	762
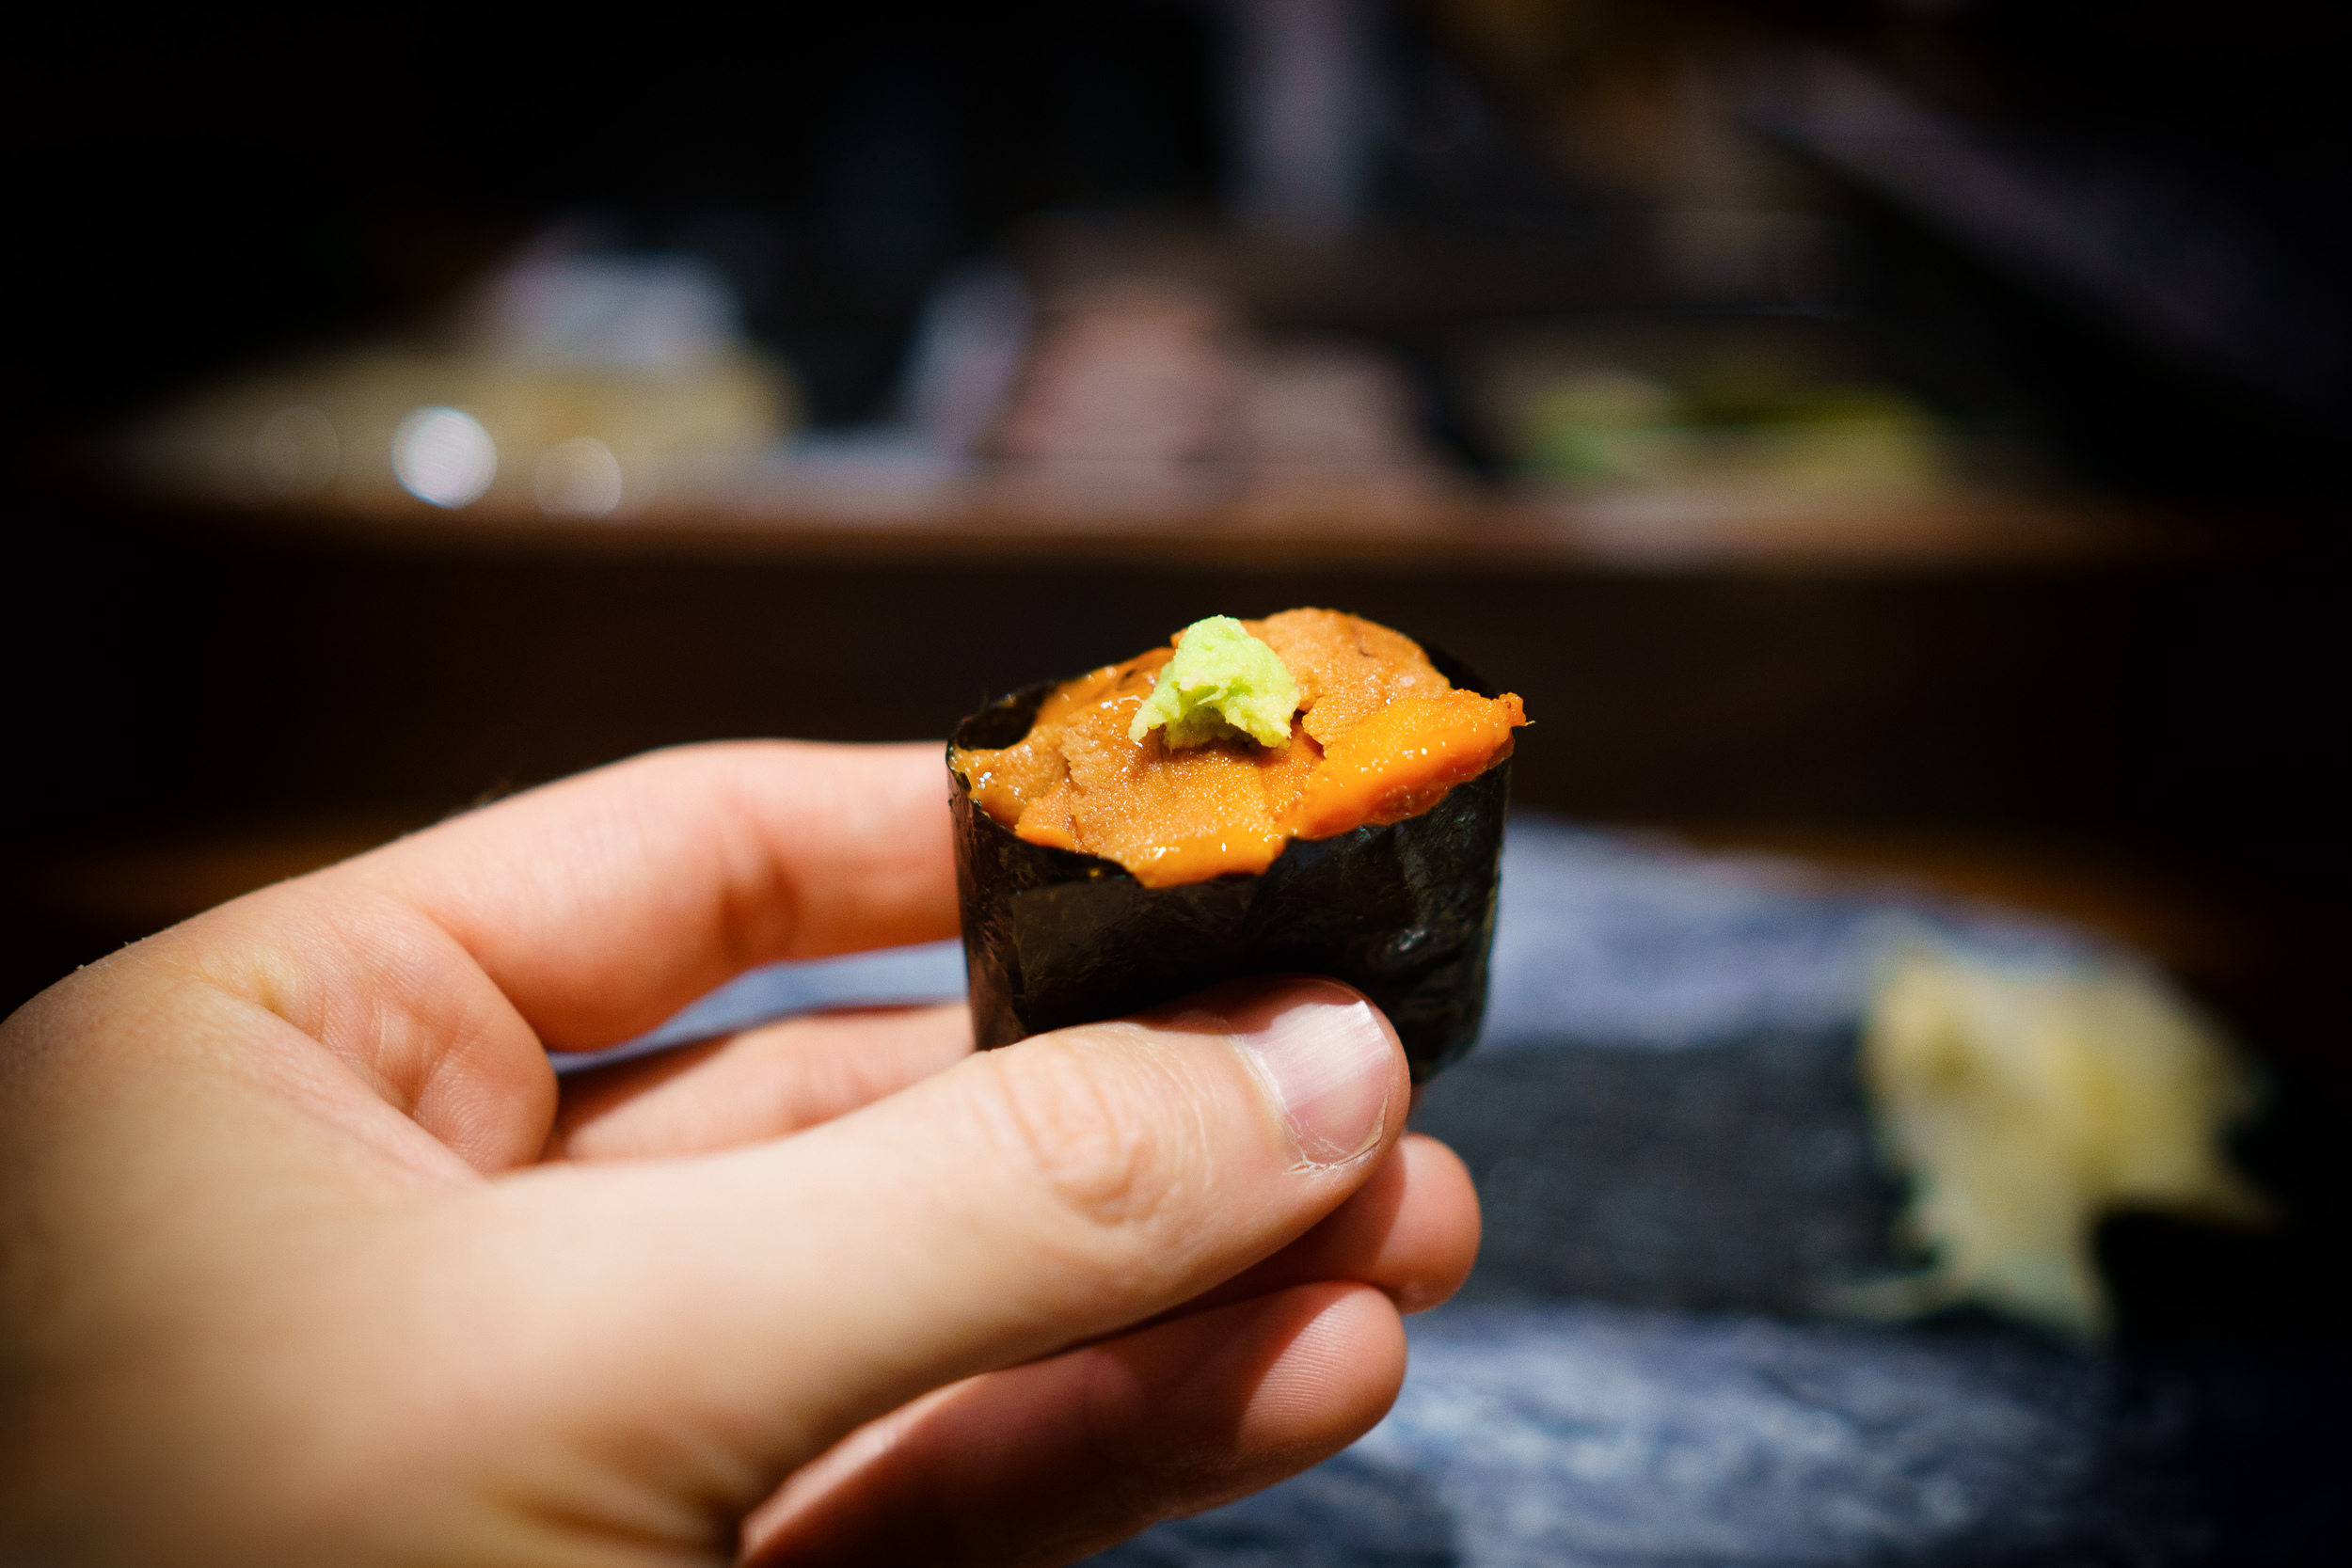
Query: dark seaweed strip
1404	913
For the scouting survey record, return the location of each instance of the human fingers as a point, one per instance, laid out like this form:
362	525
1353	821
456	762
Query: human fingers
741	1311
1410	1232
763	1082
1047	1461
599	905
437	968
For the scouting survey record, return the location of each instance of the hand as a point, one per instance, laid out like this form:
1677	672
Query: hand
310	1258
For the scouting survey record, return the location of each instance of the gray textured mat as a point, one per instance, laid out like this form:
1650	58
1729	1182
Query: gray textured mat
1593	1436
1738	1175
1675	1165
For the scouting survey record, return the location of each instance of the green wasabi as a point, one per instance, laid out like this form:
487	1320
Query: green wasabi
1222	682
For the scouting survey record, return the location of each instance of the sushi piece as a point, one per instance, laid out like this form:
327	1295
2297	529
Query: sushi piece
1309	793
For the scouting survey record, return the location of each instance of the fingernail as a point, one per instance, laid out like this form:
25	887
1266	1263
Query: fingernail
1321	1049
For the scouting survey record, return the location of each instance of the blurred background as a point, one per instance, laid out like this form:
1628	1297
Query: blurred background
1891	445
1898	432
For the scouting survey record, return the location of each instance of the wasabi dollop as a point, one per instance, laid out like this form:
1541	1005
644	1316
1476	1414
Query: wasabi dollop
1222	682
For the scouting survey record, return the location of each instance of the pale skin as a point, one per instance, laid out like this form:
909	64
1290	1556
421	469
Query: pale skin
307	1255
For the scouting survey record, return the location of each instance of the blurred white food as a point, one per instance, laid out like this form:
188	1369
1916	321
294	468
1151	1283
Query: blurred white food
2027	1102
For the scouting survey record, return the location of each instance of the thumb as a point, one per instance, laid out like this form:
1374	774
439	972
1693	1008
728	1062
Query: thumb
754	1306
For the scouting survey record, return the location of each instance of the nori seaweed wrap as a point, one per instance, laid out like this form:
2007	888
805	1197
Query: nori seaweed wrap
1404	911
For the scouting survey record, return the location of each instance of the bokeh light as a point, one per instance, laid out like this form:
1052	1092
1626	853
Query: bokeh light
578	478
444	456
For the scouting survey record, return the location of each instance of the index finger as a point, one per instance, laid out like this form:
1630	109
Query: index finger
603	904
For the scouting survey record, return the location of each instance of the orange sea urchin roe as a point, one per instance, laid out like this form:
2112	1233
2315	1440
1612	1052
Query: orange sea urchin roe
1379	736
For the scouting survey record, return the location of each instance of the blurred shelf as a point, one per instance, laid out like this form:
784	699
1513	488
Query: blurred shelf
246	693
1412	524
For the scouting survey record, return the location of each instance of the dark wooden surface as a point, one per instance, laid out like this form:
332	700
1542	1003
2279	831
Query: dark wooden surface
180	685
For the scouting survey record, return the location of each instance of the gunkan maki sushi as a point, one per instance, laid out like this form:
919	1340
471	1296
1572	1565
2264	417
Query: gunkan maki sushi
1309	793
